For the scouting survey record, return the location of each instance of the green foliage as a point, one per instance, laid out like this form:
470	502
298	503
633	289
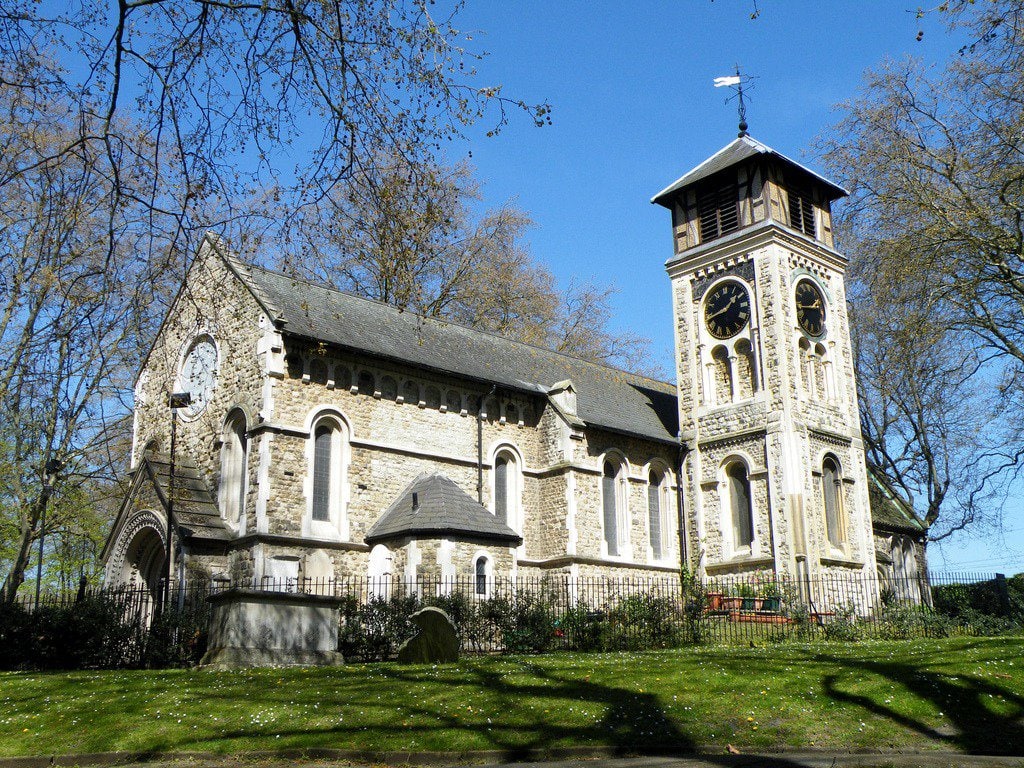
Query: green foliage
900	621
526	622
101	631
843	626
374	630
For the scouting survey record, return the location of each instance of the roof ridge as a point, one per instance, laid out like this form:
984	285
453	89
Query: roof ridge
445	321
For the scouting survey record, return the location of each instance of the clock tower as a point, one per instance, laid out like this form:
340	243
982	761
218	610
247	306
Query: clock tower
775	480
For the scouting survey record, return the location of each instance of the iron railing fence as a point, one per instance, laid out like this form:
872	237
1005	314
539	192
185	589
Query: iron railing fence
558	612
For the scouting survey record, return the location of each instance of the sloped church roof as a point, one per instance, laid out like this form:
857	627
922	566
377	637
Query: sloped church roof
606	397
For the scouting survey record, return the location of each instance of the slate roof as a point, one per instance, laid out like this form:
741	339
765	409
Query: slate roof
735	153
194	506
442	510
889	511
606	397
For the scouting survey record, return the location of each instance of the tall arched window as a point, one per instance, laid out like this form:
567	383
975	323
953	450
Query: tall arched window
233	461
502	497
328	458
832	494
657	511
611	503
322	449
741	512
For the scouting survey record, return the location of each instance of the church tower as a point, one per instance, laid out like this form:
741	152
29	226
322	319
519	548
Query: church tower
775	480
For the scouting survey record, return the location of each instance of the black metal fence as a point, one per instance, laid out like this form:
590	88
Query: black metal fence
539	614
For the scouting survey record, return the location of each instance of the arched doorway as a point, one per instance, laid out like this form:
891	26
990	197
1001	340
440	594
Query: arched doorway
137	562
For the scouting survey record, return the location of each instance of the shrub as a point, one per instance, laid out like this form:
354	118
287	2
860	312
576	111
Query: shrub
842	626
642	622
526	623
898	621
584	629
374	631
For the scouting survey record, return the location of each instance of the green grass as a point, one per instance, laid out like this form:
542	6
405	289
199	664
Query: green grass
958	694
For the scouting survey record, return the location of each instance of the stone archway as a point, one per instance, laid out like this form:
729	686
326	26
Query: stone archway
137	559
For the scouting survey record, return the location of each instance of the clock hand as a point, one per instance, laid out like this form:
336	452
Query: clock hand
723	309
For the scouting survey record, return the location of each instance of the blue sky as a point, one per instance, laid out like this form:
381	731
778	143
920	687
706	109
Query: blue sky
634	108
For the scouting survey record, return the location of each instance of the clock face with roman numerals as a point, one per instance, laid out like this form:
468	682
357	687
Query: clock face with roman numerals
810	308
727	310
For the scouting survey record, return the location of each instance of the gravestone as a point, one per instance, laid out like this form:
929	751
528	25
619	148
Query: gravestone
435	643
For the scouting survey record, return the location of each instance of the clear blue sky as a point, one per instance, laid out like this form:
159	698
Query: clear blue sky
634	108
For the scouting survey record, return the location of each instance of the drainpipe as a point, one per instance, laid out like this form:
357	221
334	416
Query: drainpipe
684	555
480	445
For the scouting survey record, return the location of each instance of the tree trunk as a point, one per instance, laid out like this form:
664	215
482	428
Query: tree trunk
16	576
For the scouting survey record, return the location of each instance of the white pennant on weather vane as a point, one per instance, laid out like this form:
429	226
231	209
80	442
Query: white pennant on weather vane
735	81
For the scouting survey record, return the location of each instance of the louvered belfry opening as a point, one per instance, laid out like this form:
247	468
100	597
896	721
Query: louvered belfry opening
718	207
801	210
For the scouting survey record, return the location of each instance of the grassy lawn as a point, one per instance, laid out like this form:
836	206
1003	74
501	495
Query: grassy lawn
957	694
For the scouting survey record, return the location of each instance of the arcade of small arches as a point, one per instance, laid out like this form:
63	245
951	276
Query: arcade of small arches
319	369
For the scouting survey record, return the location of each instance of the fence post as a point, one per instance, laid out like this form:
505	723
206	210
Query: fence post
1004	594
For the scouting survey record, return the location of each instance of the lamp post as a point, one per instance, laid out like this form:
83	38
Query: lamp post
176	401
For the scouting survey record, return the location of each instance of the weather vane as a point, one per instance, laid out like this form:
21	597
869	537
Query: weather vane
737	81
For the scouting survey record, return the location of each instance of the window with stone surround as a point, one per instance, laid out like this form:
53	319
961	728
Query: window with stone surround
740	508
832	501
657	514
613	503
506	488
328	461
233	462
481	575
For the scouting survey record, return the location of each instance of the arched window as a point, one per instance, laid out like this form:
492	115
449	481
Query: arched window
832	495
328	460
741	512
611	502
480	569
721	375
657	514
507	488
233	461
322	449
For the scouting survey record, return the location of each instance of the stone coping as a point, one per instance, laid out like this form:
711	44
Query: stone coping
269	596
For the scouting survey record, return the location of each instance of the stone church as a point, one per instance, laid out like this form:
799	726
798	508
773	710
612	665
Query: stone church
328	436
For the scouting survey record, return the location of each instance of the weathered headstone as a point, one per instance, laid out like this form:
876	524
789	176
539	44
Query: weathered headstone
435	643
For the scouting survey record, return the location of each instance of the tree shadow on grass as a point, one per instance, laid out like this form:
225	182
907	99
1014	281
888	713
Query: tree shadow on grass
965	700
625	720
